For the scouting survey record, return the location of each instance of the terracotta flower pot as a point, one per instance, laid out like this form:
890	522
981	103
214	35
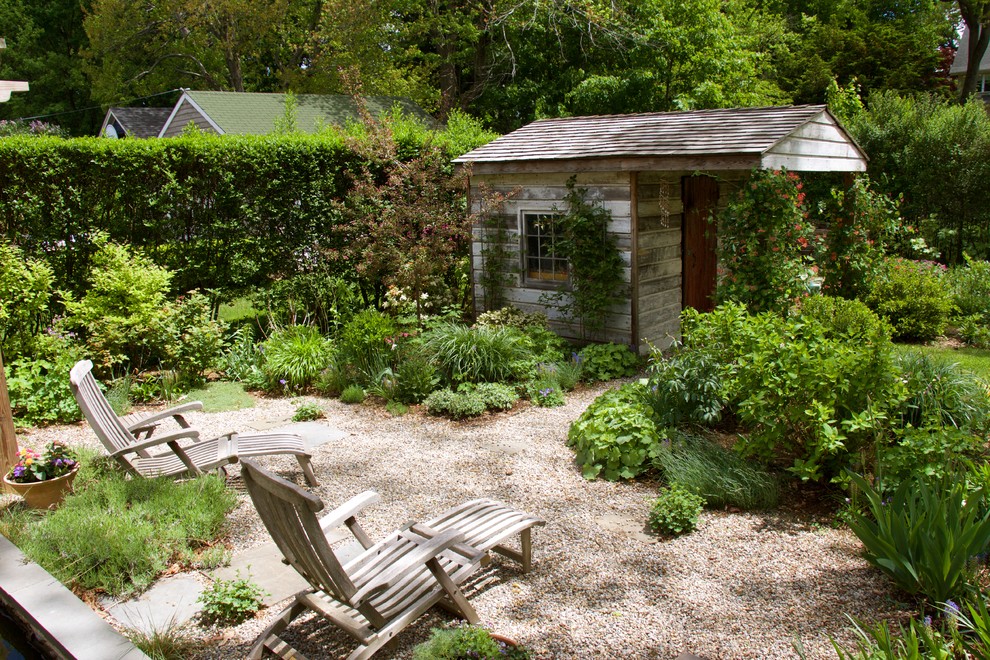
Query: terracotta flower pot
508	641
44	494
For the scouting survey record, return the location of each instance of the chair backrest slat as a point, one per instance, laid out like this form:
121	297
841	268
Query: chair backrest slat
97	410
289	514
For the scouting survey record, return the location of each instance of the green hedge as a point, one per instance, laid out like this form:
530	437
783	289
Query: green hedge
221	212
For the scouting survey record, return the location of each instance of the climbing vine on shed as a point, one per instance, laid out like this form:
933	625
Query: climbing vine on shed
594	262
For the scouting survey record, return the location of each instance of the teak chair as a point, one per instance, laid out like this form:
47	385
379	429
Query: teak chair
375	595
128	441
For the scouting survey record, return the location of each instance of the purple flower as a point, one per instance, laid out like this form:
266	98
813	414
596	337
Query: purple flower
952	609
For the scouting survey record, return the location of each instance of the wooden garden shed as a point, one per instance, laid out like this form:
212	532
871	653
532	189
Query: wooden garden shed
660	175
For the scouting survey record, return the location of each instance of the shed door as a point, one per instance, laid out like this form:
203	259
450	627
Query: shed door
698	260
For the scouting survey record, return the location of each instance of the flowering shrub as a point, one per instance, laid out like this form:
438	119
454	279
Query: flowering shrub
763	238
861	221
31	466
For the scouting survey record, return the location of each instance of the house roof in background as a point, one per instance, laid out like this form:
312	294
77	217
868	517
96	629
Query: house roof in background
137	122
961	60
256	113
736	138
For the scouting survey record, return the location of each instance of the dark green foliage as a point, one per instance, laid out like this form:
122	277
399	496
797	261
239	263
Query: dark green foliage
195	338
686	387
295	356
607	361
365	344
545	392
721	476
118	534
920	641
313	298
913	142
615	437
676	511
912	296
466	642
474	355
230	602
416	376
925	534
840	317
243	357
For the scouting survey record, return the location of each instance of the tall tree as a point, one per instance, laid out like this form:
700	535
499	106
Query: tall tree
44	40
976	16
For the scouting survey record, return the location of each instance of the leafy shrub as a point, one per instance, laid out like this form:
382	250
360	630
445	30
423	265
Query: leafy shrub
352	394
308	411
456	405
242	359
721	476
912	296
615	437
363	343
762	235
975	330
396	409
25	289
38	387
118	534
466	641
941	394
495	395
931	452
295	356
332	380
808	395
686	387
676	511
513	317
545	392
416	376
970	289
843	318
317	298
195	338
122	313
924	536
230	602
474	355
607	361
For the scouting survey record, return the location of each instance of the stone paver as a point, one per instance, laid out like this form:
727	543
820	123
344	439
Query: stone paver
170	602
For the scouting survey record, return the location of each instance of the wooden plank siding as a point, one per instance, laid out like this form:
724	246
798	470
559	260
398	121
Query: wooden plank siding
546	193
181	118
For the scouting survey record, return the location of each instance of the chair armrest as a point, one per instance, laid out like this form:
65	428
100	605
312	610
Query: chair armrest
147	443
423	552
348	510
175	412
469	552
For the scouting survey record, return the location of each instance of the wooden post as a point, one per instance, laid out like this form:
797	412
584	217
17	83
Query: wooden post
8	438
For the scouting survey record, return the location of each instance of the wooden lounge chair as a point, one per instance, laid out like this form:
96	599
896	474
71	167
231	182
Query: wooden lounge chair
129	442
375	595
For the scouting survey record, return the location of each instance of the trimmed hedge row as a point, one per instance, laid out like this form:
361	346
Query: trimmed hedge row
223	213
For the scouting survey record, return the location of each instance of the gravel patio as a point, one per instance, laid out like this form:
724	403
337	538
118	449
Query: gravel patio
745	585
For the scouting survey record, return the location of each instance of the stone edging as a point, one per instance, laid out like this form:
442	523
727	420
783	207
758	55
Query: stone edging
65	624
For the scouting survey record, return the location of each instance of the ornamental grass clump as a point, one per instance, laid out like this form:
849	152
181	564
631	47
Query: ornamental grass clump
483	354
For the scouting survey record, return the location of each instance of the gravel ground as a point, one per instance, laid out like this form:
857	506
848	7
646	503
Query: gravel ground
744	585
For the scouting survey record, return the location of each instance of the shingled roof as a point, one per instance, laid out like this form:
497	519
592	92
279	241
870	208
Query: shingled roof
732	139
252	113
136	122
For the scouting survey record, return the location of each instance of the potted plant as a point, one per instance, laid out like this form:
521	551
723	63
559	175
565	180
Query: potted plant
468	642
44	478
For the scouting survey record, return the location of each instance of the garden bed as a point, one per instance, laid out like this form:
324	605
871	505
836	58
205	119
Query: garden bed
742	586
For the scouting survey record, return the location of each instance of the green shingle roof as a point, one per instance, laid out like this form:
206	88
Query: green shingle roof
255	113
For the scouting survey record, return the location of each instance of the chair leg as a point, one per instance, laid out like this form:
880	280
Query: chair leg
453	591
278	625
307	469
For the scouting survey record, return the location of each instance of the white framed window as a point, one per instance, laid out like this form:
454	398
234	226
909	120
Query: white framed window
540	263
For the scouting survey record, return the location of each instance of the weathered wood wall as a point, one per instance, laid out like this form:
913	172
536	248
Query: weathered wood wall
183	116
546	192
